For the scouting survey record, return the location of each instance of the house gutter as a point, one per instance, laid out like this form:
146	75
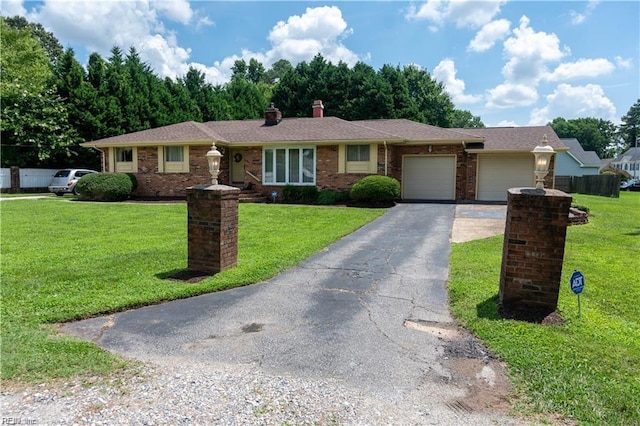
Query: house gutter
385	158
102	157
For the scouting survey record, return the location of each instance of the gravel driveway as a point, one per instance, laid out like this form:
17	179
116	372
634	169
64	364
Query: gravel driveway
359	333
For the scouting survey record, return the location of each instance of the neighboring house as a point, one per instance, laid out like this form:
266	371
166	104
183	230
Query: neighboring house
576	161
629	162
431	163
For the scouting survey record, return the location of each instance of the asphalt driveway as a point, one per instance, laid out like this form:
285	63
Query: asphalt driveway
370	311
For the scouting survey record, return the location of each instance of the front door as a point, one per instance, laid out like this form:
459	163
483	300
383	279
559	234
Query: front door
237	166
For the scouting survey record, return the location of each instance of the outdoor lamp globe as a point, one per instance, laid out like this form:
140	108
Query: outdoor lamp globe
542	153
213	157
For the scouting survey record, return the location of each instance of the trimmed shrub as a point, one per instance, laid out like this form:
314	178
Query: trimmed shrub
134	182
104	187
309	194
290	193
376	188
327	197
580	207
299	194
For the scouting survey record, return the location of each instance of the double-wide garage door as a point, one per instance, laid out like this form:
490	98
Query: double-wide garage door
429	177
498	173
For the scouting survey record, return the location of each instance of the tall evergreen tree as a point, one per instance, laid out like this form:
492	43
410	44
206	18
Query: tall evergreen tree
630	126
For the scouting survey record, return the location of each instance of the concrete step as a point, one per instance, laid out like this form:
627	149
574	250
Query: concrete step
250	196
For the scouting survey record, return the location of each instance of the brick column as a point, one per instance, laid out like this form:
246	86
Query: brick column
533	250
212	228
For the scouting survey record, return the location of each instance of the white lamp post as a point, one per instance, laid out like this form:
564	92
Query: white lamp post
213	157
542	153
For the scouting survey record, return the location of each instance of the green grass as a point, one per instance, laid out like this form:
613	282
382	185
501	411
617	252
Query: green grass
64	260
589	367
26	194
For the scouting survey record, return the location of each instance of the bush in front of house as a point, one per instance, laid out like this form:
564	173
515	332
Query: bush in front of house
299	194
327	197
376	189
104	187
290	194
134	182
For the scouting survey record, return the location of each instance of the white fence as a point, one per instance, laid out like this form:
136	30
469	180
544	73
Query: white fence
5	178
29	178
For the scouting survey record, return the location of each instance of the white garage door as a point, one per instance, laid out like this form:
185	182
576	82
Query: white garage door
498	173
429	177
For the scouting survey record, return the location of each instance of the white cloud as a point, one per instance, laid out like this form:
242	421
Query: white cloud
578	18
445	72
573	102
12	8
300	38
529	52
509	95
623	63
489	35
506	123
204	21
166	57
580	69
175	10
464	13
318	30
100	25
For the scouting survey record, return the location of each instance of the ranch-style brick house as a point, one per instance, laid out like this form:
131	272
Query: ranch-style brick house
431	163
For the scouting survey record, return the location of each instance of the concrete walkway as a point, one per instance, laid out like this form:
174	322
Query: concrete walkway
370	311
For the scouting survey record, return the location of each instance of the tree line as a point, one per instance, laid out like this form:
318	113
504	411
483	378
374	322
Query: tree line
51	103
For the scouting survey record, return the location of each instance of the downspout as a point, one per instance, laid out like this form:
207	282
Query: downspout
102	157
385	158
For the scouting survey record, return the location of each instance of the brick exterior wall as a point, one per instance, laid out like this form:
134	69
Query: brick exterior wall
533	249
212	228
151	183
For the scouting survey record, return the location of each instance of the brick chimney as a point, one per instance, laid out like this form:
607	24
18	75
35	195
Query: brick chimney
318	109
272	116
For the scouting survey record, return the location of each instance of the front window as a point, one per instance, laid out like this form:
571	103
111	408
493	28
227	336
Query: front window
289	166
174	154
125	160
176	159
124	155
357	152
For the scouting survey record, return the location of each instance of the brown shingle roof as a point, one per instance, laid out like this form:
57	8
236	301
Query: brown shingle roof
295	130
187	132
517	138
332	130
414	131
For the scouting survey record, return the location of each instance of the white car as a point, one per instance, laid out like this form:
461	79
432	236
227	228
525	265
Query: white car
64	181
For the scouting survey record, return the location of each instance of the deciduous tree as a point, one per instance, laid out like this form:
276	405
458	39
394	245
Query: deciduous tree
34	127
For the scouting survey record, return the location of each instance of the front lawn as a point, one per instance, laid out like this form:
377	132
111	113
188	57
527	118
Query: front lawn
589	367
65	260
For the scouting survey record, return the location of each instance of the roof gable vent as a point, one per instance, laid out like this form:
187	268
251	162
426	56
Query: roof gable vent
272	116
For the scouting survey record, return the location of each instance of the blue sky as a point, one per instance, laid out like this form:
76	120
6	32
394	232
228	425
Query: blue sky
513	63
